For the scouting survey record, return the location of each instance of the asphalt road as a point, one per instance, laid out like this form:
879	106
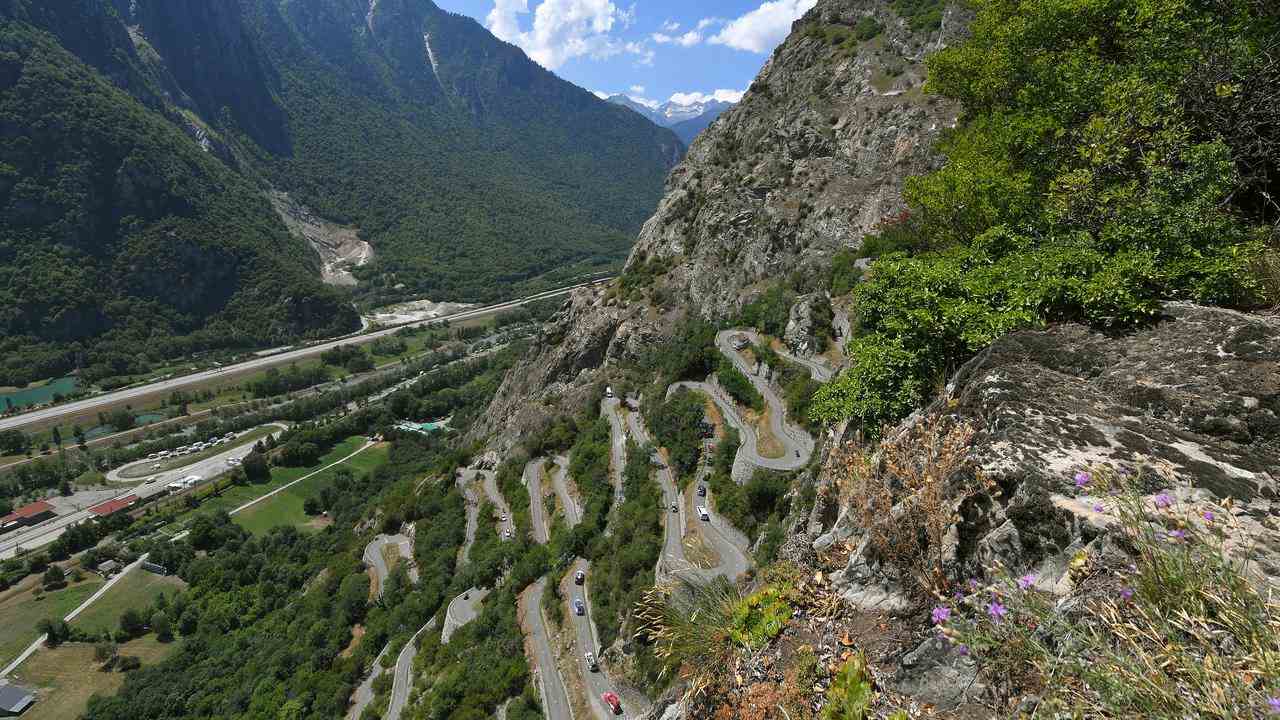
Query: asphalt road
466	478
495	496
402	682
673	559
555	700
818	370
537	510
560	481
797	444
374	558
587	639
462	610
47	532
179	383
364	692
618	443
728	544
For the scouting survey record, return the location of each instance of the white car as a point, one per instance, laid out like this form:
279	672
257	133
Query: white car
591	662
703	514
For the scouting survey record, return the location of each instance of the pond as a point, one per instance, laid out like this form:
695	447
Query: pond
39	395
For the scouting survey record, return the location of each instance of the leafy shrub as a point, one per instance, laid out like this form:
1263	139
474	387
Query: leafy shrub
769	312
1093	188
759	617
849	696
738	385
845	273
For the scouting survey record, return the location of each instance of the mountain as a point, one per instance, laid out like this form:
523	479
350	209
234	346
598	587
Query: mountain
686	120
158	130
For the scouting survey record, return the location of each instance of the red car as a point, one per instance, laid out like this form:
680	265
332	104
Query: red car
613	702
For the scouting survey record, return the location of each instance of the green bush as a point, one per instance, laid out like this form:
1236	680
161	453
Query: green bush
738	385
1093	178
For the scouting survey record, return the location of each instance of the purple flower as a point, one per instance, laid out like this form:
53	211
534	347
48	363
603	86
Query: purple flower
1098	508
996	611
973	585
1209	516
1082	479
1126	594
1163	501
1026	581
963	650
941	614
1274	705
1176	535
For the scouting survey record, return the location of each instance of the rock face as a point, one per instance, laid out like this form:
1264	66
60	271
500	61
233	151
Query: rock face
811	159
1196	397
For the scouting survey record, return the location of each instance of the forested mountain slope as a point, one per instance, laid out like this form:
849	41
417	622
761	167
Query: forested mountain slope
468	168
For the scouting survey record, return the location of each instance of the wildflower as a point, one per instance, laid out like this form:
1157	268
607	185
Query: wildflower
1274	705
973	585
963	650
1098	508
1082	479
1126	594
996	611
1026	581
1163	501
941	614
1209	516
1177	535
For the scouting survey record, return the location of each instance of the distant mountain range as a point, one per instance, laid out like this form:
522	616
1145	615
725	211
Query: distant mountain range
150	145
685	120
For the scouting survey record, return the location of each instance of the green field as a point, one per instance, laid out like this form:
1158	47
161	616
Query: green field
135	590
285	508
20	611
67	676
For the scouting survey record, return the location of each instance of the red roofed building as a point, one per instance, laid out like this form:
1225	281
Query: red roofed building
112	507
26	516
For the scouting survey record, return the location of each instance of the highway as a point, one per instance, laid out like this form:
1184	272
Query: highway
87	405
47	532
555	700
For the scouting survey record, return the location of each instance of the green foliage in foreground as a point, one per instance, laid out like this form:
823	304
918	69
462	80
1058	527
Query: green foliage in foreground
738	385
1114	154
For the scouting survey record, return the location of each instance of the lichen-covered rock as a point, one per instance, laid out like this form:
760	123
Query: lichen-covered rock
1195	396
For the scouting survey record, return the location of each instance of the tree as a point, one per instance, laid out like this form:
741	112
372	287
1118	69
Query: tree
255	467
120	419
14	442
56	631
54	578
57	437
131	623
105	653
162	627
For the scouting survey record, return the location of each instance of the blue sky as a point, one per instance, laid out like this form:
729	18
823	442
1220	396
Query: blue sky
652	50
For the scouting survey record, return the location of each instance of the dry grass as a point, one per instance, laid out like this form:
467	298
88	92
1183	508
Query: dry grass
767	444
905	495
66	677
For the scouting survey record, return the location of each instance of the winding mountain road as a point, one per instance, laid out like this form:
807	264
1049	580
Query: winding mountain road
568	497
818	370
375	558
402	681
364	692
797	443
462	610
617	445
490	482
555	699
537	510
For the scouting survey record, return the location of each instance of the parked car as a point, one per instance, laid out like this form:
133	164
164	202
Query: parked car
675	507
703	514
591	662
579	608
702	491
503	517
579	578
611	699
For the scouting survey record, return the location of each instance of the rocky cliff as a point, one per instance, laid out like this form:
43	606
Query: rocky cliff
812	159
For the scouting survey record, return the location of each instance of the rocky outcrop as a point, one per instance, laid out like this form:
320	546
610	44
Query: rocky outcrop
812	158
1194	398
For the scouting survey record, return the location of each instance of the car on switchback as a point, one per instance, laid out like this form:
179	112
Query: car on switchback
592	665
611	699
579	578
579	608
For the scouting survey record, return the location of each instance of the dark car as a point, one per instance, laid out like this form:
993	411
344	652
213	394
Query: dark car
579	577
702	491
579	608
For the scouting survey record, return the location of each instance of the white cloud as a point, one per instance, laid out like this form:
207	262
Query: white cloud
729	96
670	26
762	29
566	29
637	89
689	39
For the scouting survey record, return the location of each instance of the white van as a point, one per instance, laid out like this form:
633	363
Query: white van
608	392
703	514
